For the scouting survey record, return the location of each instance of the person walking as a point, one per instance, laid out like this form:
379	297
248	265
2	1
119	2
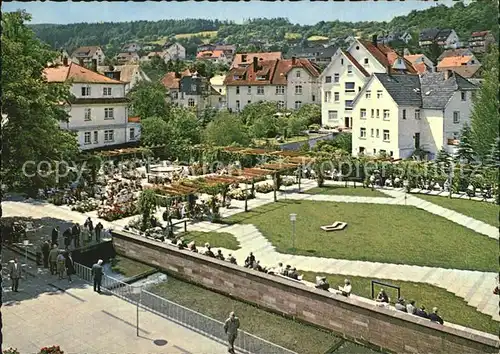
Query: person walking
61	265
97	273
55	235
15	274
53	259
45	253
70	266
231	329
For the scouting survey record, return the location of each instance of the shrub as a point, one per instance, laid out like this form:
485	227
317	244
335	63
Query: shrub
264	188
11	351
55	349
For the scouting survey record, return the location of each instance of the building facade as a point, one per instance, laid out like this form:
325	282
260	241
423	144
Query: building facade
85	55
479	41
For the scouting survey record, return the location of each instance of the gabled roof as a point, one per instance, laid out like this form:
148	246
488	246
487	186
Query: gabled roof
385	55
404	89
356	63
443	34
480	34
210	54
437	91
455	53
127	71
318	52
76	73
171	80
466	71
85	52
428	34
413	57
449	62
238	58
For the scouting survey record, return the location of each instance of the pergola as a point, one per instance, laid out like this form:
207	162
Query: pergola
123	152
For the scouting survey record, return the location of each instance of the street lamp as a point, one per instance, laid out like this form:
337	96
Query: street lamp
293	218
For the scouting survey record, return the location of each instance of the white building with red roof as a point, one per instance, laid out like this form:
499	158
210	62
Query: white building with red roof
98	109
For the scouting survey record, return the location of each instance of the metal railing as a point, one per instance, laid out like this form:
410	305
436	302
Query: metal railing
184	316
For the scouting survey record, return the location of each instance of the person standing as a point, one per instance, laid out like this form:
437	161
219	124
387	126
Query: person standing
90	226
53	259
70	266
67	237
97	273
75	231
61	265
55	235
231	329
98	229
45	253
15	274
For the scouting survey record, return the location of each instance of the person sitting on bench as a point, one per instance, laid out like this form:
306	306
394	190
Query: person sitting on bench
347	288
322	284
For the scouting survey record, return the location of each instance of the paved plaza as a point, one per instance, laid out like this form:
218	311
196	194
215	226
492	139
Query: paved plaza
47	312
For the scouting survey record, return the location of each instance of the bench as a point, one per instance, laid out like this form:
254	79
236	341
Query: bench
181	221
336	226
354	180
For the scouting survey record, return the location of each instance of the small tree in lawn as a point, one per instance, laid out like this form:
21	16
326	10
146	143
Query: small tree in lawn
148	202
465	151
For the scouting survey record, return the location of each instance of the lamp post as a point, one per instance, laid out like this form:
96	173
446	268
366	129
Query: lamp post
137	290
405	185
293	218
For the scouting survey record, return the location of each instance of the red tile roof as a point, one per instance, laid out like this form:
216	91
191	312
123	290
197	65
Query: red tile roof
134	119
76	73
385	55
210	54
171	80
238	58
454	61
274	72
480	33
85	52
356	63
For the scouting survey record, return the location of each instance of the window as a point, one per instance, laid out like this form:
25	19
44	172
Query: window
378	113
220	90
193	88
109	136
361	150
386	114
336	78
86	138
417	114
391	153
368	94
131	134
86	91
237	90
313	98
298	104
366	61
341	61
191	102
298	90
456	135
328	79
373	113
297	74
378	133
248	102
362	113
249	90
349	87
336	96
372	132
175	95
374	151
280	90
238	105
281	104
349	69
379	93
362	132
88	114
96	137
332	115
109	113
106	91
386	135
463	96
348	105
328	96
404	113
456	117
260	90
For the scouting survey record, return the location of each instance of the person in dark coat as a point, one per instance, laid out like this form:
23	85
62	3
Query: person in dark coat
97	273
98	230
75	232
55	235
90	226
70	266
67	237
45	253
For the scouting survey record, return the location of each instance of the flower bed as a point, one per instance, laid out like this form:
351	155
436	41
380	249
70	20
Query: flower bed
117	211
239	194
86	206
287	181
264	188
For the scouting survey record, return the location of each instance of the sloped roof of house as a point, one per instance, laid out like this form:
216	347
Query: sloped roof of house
85	52
322	52
127	56
134	119
217	80
385	55
404	89
274	71
420	67
480	34
76	73
443	34
467	71
437	91
428	34
455	53
238	58
171	80
127	71
413	57
355	63
448	62
210	54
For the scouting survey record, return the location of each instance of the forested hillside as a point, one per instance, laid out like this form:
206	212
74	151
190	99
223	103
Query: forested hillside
273	34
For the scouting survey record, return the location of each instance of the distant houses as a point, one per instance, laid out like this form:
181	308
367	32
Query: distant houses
84	55
446	38
479	41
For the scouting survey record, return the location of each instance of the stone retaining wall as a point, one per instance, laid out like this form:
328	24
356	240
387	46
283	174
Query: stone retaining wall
364	323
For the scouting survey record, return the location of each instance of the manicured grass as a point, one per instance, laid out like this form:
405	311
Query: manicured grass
215	239
487	212
128	267
452	308
296	336
375	232
350	191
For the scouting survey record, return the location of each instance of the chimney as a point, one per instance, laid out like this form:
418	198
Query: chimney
374	39
255	63
448	74
294	60
94	65
65	61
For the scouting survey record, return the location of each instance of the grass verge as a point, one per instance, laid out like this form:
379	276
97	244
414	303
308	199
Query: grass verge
128	267
350	191
215	239
452	308
375	232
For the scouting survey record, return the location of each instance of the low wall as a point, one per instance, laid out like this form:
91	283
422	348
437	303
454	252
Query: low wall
361	322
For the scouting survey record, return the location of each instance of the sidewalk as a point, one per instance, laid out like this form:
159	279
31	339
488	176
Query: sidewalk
48	311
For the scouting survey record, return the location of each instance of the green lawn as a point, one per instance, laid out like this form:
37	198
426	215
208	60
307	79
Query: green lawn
339	190
296	336
215	239
128	267
375	232
452	308
483	211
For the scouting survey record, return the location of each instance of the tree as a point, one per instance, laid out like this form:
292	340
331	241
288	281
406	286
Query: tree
30	132
155	131
226	129
343	141
485	113
465	151
311	113
296	124
147	204
147	99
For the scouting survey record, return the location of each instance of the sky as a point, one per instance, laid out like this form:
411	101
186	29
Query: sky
302	12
